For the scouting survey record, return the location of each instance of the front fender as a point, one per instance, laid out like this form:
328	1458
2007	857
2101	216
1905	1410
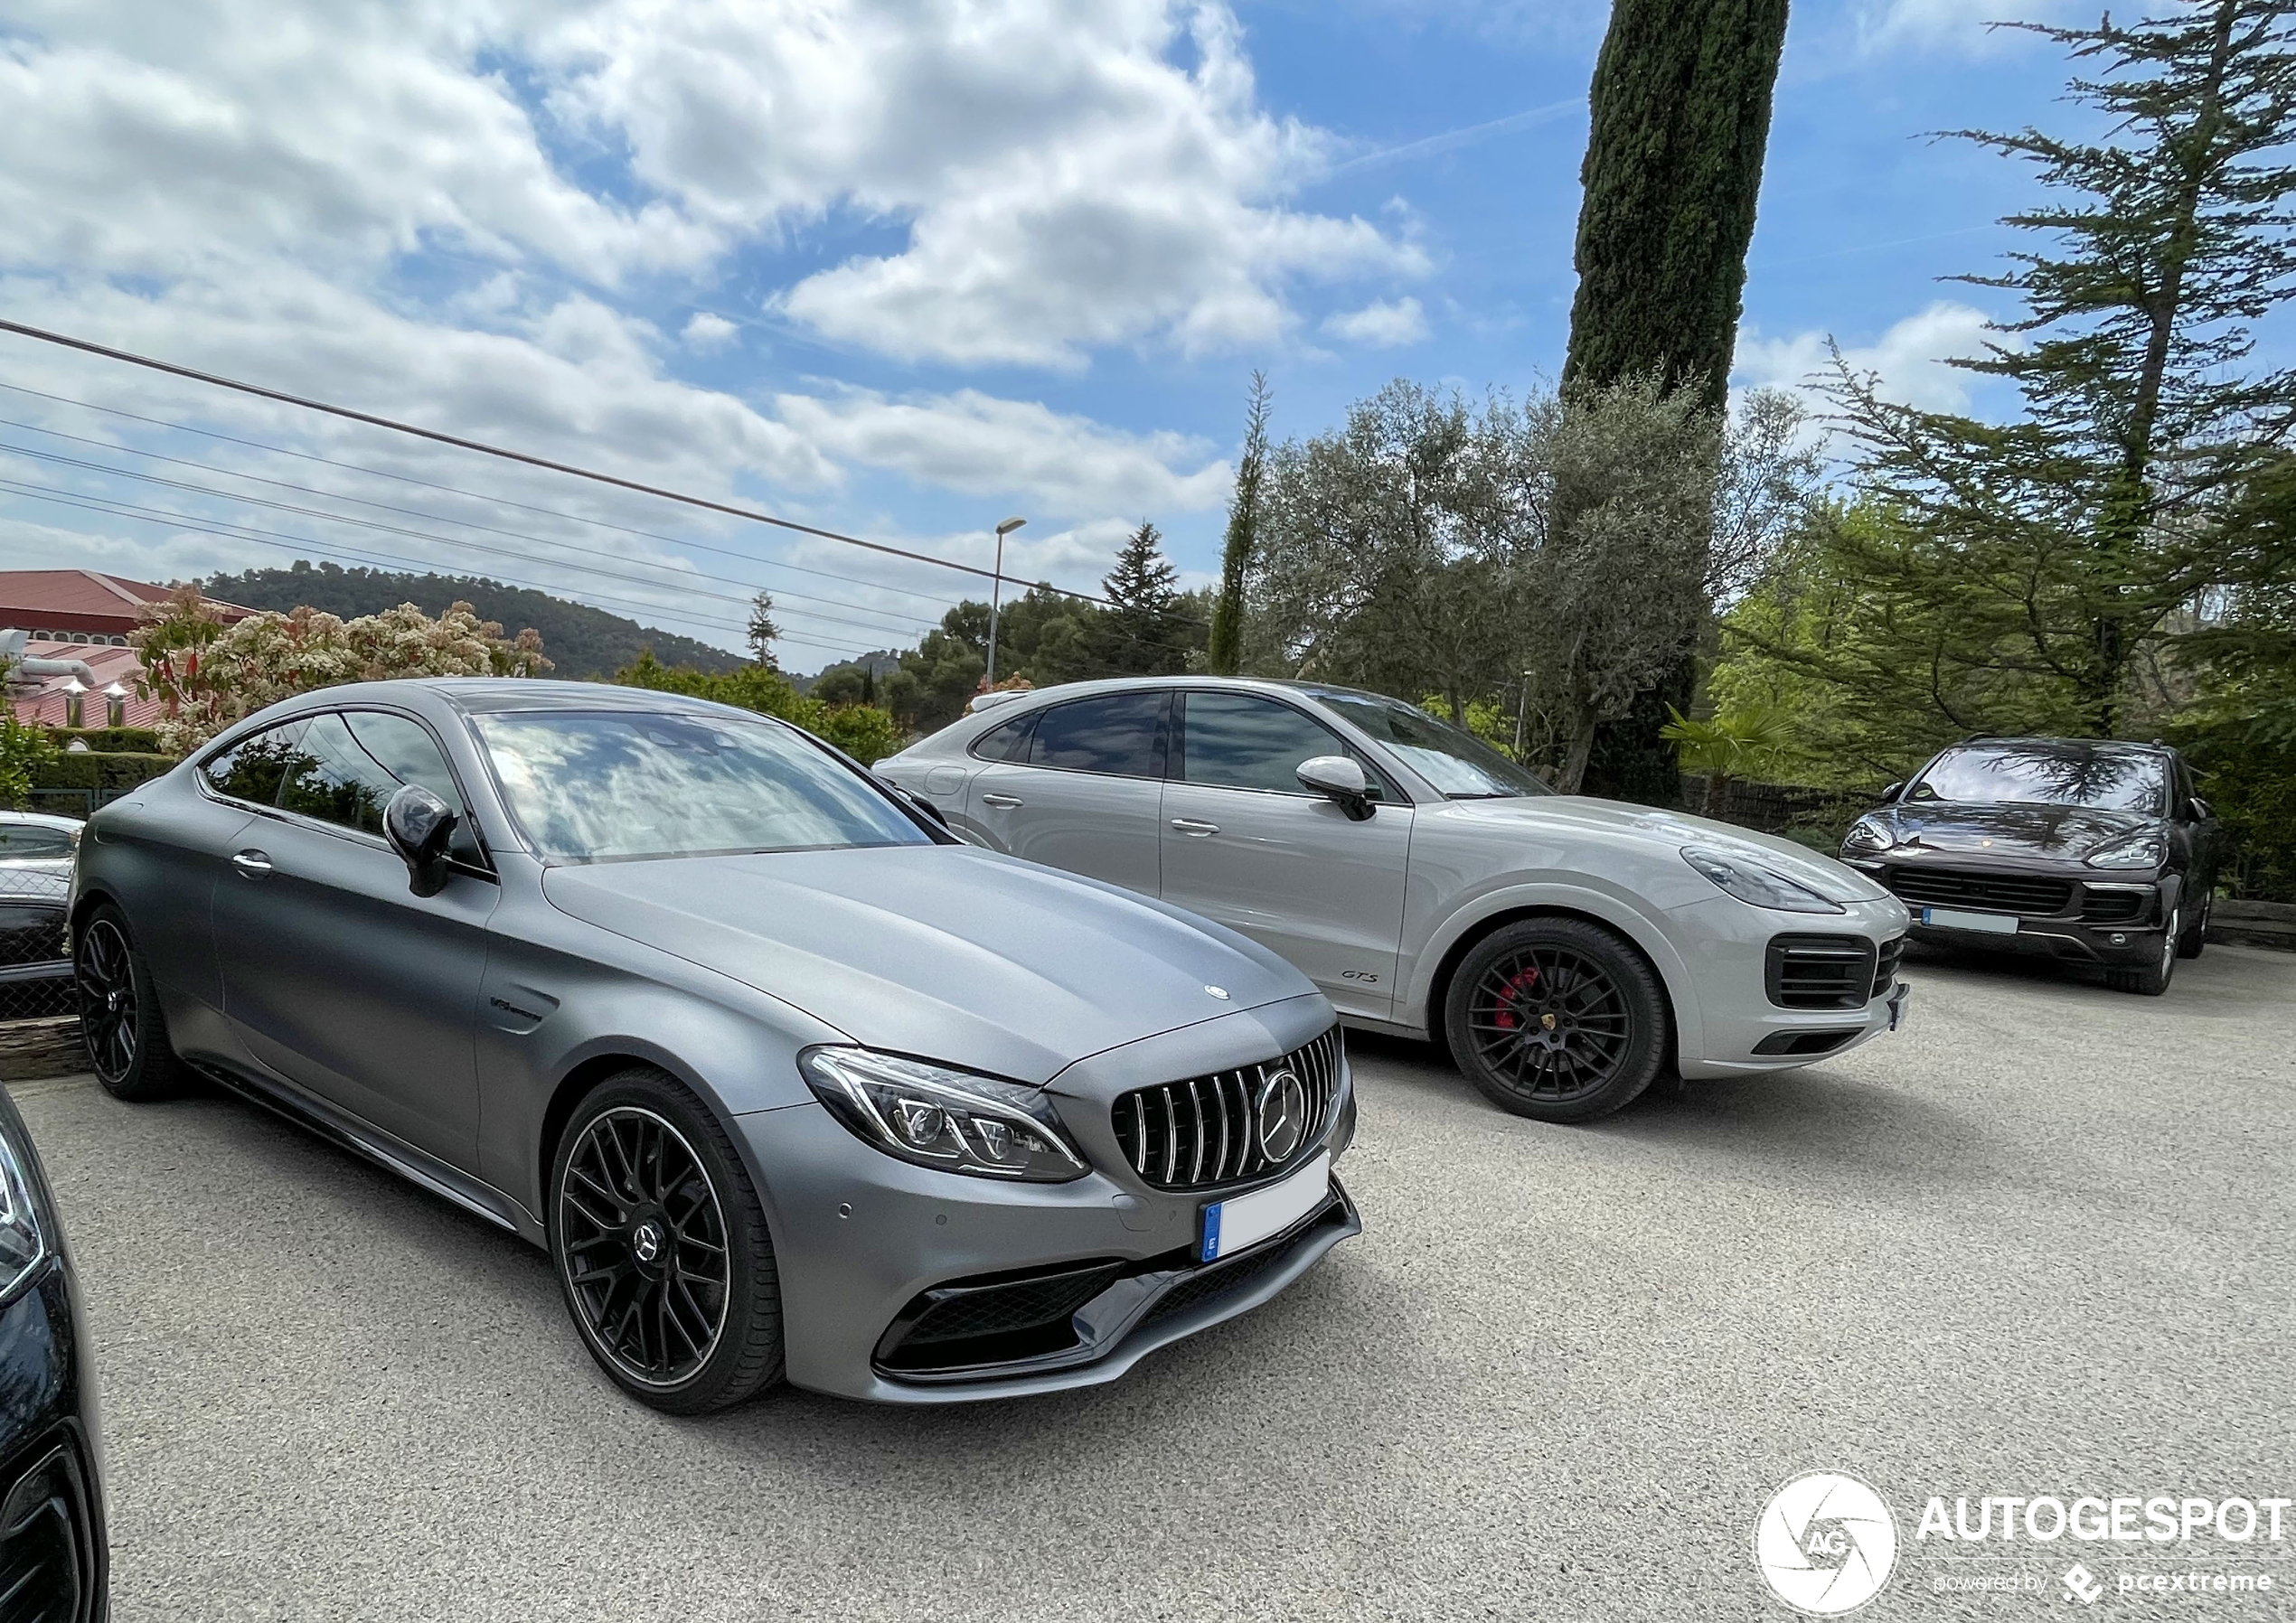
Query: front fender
1478	912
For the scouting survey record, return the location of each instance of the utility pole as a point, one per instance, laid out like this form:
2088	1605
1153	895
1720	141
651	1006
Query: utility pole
996	593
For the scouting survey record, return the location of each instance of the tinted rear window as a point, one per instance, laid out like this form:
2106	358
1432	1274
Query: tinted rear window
1006	743
1122	734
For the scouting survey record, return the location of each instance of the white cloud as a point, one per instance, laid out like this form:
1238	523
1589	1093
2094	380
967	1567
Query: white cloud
1380	326
982	445
1957	26
1909	359
706	333
1063	183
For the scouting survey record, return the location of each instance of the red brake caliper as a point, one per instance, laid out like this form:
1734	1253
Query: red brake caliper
1518	986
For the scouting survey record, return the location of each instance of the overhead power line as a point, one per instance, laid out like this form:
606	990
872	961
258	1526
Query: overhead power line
573	470
452	490
303	544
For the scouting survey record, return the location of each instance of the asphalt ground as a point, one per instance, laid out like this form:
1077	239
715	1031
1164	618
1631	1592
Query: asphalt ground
2038	1242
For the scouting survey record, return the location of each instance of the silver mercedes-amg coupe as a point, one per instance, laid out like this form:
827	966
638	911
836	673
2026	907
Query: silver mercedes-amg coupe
787	1079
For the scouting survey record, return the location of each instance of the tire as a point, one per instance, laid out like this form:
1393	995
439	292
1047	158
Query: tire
2150	980
120	1020
669	1278
2196	938
1557	1020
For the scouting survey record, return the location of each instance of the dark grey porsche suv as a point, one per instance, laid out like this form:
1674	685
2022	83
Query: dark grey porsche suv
787	1079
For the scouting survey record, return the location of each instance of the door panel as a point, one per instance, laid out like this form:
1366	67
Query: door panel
335	974
1083	790
1245	845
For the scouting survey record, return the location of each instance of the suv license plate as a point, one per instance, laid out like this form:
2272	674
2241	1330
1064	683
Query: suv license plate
1948	918
1229	1225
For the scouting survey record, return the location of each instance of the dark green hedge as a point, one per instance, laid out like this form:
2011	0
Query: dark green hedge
116	773
109	741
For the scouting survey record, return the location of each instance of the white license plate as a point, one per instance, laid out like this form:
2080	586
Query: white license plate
1230	1225
1948	918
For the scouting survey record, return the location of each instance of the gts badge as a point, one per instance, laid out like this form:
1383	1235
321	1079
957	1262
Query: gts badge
1364	976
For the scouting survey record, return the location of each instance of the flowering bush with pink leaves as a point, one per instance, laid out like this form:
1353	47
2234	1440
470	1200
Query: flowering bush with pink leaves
208	673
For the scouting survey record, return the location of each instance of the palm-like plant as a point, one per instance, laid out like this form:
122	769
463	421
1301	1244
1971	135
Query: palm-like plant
1748	743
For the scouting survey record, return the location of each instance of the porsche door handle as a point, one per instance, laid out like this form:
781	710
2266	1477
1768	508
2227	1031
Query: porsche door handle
1195	826
252	865
1002	802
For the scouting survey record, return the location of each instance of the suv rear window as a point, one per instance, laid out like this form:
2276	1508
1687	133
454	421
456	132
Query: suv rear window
1122	734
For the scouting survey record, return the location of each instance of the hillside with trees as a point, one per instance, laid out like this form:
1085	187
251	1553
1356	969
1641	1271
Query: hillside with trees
584	643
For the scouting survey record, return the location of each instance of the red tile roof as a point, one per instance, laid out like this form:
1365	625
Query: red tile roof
78	600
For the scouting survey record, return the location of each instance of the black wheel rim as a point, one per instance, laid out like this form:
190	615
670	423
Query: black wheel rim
642	1240
108	1012
1549	1023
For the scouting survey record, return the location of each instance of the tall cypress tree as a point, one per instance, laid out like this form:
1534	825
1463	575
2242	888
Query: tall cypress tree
1680	108
1225	656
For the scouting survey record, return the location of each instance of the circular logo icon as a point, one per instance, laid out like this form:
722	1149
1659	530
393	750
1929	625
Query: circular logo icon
1283	1115
646	1242
1826	1544
1218	992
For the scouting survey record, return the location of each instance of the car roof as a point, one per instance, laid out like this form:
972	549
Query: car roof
480	695
2066	745
40	820
1123	684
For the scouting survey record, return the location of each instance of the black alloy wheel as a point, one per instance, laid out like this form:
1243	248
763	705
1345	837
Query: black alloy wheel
1557	1020
660	1249
120	1014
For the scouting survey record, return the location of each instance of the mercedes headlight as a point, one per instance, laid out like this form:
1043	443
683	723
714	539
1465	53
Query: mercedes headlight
23	1243
1868	834
2136	850
934	1116
1752	882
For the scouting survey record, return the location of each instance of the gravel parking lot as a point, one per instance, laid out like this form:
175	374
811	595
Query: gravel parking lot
2039	1243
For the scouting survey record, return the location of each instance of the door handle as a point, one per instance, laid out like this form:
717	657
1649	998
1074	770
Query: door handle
1195	826
1002	802
251	864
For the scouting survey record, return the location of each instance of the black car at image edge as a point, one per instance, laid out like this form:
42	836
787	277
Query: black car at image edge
53	1568
2086	849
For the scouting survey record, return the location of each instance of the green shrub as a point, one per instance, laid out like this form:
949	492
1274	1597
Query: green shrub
108	740
862	731
110	773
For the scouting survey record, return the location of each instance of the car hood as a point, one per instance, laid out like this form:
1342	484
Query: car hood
944	951
1674	829
2066	833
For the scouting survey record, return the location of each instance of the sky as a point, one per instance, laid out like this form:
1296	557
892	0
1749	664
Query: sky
899	270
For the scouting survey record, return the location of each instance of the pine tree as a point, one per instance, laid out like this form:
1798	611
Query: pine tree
2058	544
1225	655
763	631
1141	633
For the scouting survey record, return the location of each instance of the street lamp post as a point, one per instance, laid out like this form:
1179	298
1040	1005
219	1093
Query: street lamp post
996	593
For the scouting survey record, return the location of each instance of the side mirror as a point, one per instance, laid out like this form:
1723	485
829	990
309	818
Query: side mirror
1892	791
2200	808
418	824
1341	780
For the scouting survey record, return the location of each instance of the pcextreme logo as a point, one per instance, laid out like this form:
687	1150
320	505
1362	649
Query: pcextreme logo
1826	1544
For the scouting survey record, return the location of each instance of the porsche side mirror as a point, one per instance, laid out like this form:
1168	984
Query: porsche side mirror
2200	808
1339	778
419	825
1892	791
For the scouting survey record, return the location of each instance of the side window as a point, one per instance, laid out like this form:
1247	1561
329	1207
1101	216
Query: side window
1239	741
348	764
1122	734
252	770
1006	743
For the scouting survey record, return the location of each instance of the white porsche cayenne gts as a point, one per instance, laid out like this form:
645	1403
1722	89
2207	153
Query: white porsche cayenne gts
1566	950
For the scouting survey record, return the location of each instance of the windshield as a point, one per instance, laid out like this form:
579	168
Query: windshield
1460	765
2049	775
598	786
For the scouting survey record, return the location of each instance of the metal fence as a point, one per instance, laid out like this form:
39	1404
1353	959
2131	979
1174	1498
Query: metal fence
35	969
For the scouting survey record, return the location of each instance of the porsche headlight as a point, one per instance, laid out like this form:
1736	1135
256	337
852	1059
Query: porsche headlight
2137	850
1868	834
1752	882
23	1243
935	1116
